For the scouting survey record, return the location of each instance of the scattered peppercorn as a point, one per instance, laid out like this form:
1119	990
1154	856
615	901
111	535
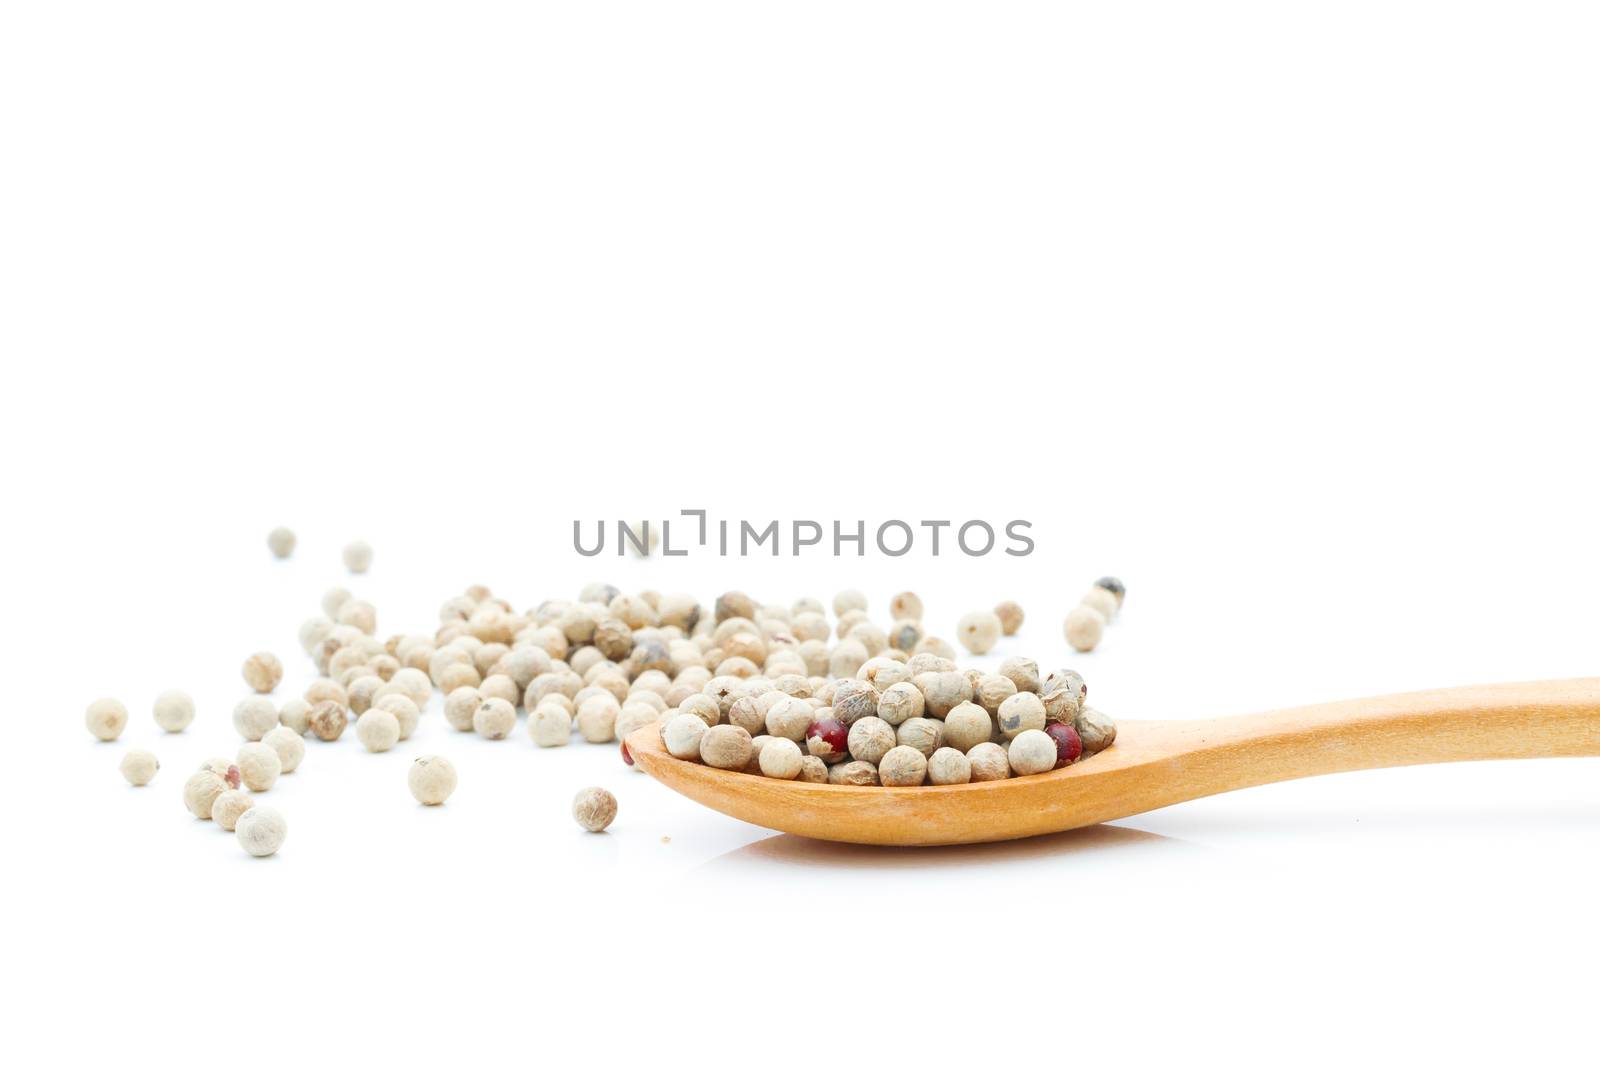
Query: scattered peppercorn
1114	586
1009	612
106	718
139	766
261	831
258	765
594	808
978	631
358	557
431	779
262	672
1083	628
280	540
174	710
289	745
254	716
327	720
229	805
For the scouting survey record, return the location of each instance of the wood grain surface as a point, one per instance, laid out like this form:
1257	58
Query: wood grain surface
1155	763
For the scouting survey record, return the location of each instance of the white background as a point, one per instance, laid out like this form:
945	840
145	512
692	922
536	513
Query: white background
1283	312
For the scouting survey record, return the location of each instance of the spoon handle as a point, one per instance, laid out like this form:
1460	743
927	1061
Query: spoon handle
1516	720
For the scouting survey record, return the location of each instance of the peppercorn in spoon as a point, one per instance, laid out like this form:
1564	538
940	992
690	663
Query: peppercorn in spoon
1155	763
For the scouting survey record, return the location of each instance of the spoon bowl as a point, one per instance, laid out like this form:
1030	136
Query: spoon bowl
1155	763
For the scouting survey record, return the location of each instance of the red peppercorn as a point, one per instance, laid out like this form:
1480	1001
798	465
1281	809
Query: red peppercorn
627	757
828	739
232	776
1069	746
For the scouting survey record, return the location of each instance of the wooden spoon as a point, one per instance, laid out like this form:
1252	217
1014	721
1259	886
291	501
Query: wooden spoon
1155	763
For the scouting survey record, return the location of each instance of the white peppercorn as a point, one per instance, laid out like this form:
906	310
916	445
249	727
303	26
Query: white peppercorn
201	791
978	631
359	614
362	692
949	767
905	606
992	690
295	715
1009	612
404	711
1096	729
594	808
106	718
1032	752
789	717
139	766
262	672
327	719
849	600
432	779
927	663
682	735
261	831
966	726
1083	628
816	656
903	765
936	646
635	714
494	719
870	637
810	626
1023	672
906	634
501	686
942	690
882	671
708	707
854	699
750	712
460	706
385	665
1063	693
725	746
853	773
782	758
899	702
924	735
358	557
1102	600
846	658
253	717
377	729
550	725
229	805
458	675
289	746
812	769
597	718
1019	713
258	765
870	738
280	542
988	762
174	710
326	689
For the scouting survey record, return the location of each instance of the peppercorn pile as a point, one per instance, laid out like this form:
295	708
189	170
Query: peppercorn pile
761	689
